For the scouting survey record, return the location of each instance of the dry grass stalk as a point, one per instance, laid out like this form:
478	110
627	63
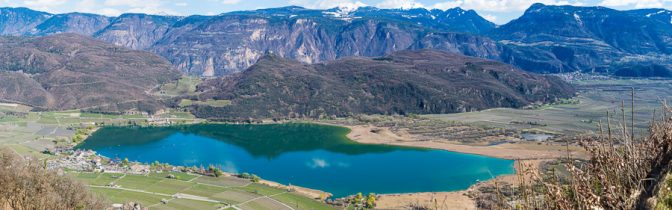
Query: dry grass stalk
621	173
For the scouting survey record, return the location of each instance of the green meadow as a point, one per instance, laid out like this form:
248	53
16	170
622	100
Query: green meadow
190	191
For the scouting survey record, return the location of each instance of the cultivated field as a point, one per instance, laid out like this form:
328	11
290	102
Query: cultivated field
29	132
183	87
596	97
189	191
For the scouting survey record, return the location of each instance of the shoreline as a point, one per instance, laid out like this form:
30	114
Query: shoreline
367	134
525	152
511	151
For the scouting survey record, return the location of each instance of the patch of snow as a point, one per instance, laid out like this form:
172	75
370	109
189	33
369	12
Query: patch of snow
655	13
348	9
578	19
342	13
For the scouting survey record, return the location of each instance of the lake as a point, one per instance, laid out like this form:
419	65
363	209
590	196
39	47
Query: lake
308	155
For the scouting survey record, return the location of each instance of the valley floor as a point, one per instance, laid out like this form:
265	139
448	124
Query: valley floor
494	133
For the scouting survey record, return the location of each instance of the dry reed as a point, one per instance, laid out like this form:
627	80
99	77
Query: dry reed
622	172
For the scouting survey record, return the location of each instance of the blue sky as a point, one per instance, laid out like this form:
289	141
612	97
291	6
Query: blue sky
498	11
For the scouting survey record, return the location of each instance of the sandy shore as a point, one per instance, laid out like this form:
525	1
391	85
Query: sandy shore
529	154
516	151
448	200
438	200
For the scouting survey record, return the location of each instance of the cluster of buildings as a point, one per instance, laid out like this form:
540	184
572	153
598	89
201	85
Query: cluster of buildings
78	160
89	161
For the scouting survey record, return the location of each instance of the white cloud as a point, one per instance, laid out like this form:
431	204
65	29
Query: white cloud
490	18
499	5
634	3
141	6
327	4
230	1
400	4
133	3
181	4
446	5
318	163
44	3
8	3
92	6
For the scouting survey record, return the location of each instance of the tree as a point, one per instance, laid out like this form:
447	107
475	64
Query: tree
245	176
215	171
125	162
152	166
358	198
255	178
77	138
371	201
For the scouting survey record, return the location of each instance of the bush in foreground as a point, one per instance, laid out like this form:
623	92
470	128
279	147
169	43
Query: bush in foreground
26	184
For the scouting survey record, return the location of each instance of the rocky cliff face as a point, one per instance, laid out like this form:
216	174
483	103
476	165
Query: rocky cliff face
232	42
136	31
229	43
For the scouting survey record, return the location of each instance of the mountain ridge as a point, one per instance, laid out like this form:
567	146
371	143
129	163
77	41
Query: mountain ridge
545	39
275	29
557	39
405	82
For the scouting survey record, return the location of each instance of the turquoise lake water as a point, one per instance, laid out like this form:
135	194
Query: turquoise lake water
307	155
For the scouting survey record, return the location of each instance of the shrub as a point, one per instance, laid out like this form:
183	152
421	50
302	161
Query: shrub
26	184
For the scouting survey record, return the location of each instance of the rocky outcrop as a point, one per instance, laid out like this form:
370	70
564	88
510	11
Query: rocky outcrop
136	31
